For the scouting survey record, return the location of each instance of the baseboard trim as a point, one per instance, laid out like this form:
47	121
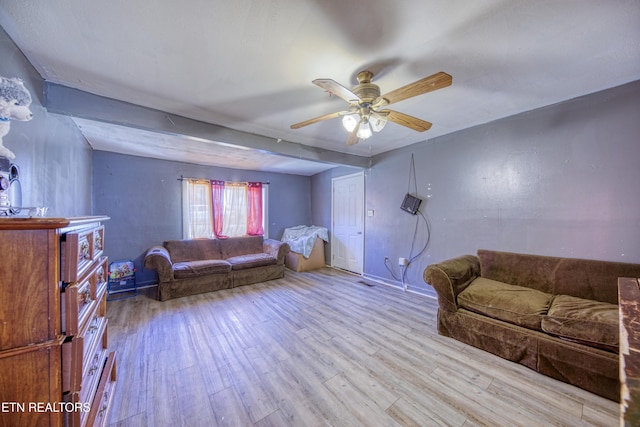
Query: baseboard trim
395	285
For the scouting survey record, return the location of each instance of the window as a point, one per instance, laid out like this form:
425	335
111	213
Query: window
223	209
234	210
196	209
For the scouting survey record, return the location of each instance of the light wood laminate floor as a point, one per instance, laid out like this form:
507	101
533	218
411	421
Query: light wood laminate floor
320	348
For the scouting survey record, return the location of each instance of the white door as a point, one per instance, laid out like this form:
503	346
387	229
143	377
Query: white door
347	247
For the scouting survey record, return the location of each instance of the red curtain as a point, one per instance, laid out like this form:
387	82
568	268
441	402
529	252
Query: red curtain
254	214
217	202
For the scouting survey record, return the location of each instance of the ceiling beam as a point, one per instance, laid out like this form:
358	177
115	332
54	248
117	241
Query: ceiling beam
72	102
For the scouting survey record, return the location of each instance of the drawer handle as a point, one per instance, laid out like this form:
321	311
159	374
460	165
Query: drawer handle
94	325
86	296
84	251
94	368
98	241
104	404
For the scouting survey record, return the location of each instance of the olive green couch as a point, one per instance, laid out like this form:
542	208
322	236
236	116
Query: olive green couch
558	316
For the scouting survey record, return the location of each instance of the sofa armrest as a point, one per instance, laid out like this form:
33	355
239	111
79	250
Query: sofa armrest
451	277
276	249
158	258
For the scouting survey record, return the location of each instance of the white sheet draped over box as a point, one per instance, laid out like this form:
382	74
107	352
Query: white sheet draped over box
302	237
307	247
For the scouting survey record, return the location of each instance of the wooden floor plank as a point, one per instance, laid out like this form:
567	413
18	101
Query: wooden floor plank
229	410
247	382
362	406
295	406
328	407
321	348
411	414
193	399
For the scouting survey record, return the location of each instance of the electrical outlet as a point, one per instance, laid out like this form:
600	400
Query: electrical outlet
403	262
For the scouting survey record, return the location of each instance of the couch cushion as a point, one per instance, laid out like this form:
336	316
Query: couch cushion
514	304
184	270
242	262
531	271
243	245
592	280
192	250
594	323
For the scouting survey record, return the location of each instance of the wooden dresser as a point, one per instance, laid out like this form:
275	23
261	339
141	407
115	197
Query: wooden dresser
55	367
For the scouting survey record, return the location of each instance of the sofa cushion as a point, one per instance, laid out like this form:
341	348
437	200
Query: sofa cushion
592	280
184	270
531	271
514	304
590	322
242	245
192	250
242	262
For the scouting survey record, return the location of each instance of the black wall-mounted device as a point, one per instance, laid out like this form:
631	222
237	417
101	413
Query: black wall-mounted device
411	204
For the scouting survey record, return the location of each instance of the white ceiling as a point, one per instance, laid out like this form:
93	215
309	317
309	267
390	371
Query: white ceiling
144	143
247	65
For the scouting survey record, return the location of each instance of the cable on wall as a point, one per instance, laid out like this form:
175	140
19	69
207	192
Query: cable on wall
423	216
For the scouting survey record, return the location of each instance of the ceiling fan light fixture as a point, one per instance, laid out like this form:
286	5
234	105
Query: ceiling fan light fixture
377	123
364	115
350	121
364	131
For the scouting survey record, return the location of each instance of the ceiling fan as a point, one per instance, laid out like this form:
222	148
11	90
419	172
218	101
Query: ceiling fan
366	113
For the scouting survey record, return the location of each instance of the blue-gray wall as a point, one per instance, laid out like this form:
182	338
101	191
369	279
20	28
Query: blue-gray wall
562	180
53	156
143	199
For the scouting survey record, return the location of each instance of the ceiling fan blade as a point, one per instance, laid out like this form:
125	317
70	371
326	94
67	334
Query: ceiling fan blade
336	88
318	119
353	136
427	84
406	120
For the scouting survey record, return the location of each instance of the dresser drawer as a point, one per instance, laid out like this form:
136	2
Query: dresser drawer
92	374
98	241
94	340
95	411
78	299
77	350
79	250
80	353
72	364
99	414
98	276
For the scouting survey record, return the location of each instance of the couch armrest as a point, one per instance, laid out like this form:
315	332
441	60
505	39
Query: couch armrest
276	249
451	277
158	258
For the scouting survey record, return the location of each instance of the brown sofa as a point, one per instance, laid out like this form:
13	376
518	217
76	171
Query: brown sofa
558	316
188	267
